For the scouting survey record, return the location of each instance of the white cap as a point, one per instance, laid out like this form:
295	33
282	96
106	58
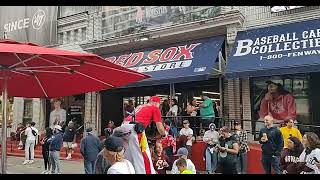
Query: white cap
58	127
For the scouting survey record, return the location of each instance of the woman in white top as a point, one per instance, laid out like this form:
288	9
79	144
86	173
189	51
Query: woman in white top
174	108
32	133
192	110
311	154
114	153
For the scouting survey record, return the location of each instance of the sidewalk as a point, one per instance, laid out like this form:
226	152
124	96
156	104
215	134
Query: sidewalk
15	166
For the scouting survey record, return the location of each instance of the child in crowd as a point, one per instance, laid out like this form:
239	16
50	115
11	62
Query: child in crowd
183	153
188	133
160	159
182	166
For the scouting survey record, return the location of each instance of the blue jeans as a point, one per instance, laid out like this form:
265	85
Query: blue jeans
89	167
211	160
242	163
268	161
54	157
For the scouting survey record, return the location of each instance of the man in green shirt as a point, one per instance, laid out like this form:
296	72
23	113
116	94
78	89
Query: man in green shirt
206	111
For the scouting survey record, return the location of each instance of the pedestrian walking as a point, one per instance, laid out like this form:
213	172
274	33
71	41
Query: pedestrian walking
272	144
69	139
90	148
32	133
55	148
45	150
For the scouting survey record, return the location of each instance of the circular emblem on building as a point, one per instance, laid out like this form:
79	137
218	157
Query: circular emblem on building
38	19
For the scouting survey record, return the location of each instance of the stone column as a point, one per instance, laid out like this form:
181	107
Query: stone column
18	107
65	38
36	111
90	119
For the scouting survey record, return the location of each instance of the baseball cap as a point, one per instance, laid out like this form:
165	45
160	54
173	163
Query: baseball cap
155	99
58	127
121	131
185	122
237	123
225	129
114	144
272	82
182	151
89	129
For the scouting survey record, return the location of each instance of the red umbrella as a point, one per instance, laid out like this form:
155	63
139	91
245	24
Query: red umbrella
29	70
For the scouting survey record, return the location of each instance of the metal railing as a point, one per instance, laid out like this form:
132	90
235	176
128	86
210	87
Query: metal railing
251	126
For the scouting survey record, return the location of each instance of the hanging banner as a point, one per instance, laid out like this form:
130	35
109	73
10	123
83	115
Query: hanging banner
36	24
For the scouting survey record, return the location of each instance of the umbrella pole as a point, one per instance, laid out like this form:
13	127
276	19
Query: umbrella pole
4	127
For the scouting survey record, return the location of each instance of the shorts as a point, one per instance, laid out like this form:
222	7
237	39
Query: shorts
67	145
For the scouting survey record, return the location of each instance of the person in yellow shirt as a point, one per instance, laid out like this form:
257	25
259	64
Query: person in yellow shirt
290	131
182	166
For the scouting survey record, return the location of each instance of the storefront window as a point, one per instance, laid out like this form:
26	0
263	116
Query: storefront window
70	10
283	97
123	20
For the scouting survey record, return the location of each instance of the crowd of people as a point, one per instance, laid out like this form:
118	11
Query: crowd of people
125	149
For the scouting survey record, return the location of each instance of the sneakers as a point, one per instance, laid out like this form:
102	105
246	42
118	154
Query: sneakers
48	172
45	172
25	162
31	161
69	157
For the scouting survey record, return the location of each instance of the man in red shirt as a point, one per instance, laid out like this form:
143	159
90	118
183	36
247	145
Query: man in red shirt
138	151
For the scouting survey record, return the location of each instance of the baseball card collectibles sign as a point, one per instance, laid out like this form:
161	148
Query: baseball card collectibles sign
276	50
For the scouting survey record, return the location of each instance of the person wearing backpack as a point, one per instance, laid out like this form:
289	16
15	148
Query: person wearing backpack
32	133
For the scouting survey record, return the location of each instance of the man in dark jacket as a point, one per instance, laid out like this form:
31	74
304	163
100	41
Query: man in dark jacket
90	148
54	149
272	143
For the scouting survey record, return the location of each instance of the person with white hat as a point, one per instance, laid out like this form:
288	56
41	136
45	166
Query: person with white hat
54	149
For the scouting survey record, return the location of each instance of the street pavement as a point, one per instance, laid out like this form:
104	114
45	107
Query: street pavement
15	166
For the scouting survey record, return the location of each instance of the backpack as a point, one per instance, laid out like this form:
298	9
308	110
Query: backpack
34	132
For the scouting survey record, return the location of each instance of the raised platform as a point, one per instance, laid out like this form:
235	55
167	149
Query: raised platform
12	150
